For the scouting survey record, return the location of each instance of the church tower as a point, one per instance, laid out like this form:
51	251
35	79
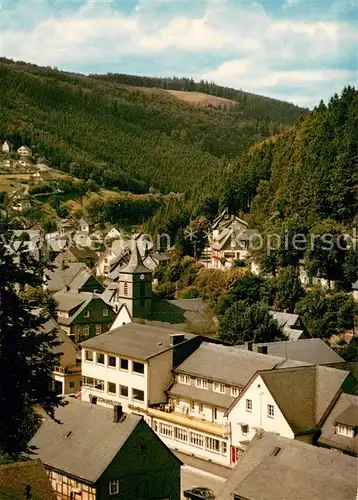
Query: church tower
135	286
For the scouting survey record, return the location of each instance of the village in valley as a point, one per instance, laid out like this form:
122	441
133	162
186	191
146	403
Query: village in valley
150	393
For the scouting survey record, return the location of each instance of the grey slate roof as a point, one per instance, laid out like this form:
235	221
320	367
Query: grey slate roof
69	300
299	471
313	351
227	364
304	393
86	440
135	264
203	395
134	340
345	412
14	478
59	279
355	285
293	333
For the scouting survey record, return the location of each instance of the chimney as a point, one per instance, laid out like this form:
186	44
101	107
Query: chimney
176	338
117	413
249	345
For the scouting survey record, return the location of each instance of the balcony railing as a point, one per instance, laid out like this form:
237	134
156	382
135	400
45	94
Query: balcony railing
67	370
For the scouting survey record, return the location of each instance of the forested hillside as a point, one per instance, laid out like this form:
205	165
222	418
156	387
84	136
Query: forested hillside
95	127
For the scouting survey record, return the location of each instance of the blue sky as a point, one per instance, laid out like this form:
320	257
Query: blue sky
296	50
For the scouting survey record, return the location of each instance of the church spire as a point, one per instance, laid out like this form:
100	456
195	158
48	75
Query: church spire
135	264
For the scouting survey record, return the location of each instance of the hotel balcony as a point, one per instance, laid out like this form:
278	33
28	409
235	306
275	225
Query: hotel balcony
67	370
174	417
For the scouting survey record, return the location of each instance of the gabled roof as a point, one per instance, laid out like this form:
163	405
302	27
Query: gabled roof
344	412
355	285
304	394
59	278
135	264
24	147
134	341
227	364
312	351
70	300
195	393
85	442
285	319
295	471
15	477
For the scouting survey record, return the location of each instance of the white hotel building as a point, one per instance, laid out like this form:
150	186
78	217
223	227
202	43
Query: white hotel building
133	365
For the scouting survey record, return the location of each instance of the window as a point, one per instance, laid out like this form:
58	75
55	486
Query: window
138	367
196	439
270	411
105	312
219	387
201	408
111	388
141	302
137	394
88	381
235	391
215	413
223	448
125	288
142	289
85	331
123	363
114	487
86	314
202	383
181	434
100	358
184	379
99	384
72	384
123	391
112	361
244	429
165	429
345	431
192	405
98	329
248	405
89	356
212	444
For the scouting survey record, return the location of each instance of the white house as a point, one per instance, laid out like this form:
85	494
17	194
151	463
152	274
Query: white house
6	147
355	291
205	386
132	365
293	402
24	151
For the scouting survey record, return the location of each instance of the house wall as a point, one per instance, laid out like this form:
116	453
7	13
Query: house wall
71	383
137	305
258	417
116	375
159	377
122	318
96	317
146	469
92	285
355	295
63	485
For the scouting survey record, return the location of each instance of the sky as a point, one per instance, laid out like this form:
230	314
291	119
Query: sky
300	51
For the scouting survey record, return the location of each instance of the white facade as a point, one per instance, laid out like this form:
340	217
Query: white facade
123	317
5	147
256	409
118	379
24	151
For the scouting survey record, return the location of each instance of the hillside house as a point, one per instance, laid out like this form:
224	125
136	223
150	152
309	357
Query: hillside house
274	467
293	402
71	276
97	453
24	152
229	241
6	147
83	315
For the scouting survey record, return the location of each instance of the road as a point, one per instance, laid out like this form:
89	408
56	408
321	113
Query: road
191	477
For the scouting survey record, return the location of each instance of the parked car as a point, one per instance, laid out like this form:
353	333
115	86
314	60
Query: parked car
199	494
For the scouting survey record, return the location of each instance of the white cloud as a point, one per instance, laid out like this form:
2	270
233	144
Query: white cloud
260	52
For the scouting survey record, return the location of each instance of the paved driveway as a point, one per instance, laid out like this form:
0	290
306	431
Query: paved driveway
191	477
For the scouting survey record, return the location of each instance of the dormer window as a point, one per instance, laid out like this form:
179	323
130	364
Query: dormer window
125	288
86	314
345	430
202	383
